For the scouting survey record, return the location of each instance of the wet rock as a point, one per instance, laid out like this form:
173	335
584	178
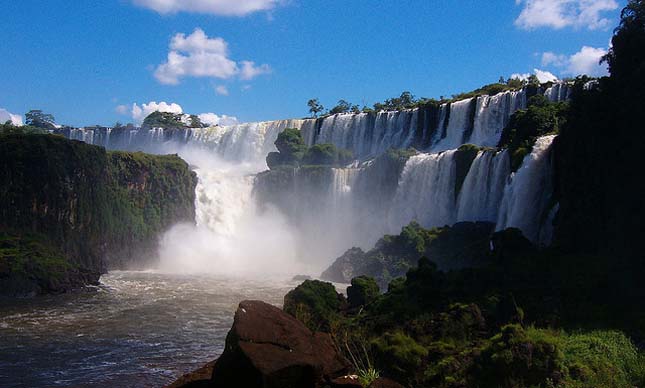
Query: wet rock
196	379
268	348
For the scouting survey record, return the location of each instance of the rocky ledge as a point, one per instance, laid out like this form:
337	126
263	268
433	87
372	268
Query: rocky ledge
268	348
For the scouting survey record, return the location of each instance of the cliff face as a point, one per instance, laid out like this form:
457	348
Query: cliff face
96	210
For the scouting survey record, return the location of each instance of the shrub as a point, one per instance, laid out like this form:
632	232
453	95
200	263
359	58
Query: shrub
398	354
314	303
363	291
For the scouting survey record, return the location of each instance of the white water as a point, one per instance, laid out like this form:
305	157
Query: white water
483	187
232	235
426	191
367	135
528	192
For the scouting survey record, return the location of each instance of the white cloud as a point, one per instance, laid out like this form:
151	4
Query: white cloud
542	76
213	7
586	61
565	13
213	119
5	116
139	113
221	90
197	55
122	109
250	71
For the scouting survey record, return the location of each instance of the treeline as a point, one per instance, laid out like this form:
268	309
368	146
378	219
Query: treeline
408	101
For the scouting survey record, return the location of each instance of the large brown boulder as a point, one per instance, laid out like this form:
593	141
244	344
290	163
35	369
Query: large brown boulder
268	348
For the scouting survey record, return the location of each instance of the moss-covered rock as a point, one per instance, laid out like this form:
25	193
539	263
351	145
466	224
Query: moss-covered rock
99	210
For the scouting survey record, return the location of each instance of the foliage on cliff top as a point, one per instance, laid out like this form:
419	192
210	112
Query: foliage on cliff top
292	151
87	202
542	117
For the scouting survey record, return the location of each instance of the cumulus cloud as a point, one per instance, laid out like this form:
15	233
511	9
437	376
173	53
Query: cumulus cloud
212	119
250	71
5	116
221	90
212	7
558	14
197	55
586	61
139	113
542	76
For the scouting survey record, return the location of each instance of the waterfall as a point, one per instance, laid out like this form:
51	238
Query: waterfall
426	191
492	114
483	187
247	221
528	192
560	91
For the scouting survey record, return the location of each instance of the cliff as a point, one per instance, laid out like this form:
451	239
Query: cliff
89	209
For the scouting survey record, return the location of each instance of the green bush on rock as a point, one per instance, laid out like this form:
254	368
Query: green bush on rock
364	290
314	303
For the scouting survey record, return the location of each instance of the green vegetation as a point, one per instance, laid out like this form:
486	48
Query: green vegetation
37	118
542	117
30	259
525	317
9	129
96	208
363	291
408	101
293	152
315	107
315	303
168	120
464	244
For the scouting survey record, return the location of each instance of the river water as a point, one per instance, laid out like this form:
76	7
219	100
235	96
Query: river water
137	329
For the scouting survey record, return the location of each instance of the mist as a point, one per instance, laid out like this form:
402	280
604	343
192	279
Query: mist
231	235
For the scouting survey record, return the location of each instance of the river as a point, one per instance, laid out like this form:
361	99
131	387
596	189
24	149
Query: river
137	329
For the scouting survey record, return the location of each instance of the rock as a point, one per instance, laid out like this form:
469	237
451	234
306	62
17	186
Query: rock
349	381
384	382
268	348
344	268
198	378
300	278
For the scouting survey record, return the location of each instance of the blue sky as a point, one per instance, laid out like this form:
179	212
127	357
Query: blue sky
88	62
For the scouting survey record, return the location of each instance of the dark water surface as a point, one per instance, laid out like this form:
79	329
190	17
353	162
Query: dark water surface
138	329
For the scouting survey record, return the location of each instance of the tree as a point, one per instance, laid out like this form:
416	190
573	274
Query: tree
196	122
291	148
315	107
626	57
37	118
342	107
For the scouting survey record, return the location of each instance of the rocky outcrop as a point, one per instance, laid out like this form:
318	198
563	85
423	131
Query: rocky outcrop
268	348
82	210
465	244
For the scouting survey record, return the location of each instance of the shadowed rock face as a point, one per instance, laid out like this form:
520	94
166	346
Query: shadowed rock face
270	349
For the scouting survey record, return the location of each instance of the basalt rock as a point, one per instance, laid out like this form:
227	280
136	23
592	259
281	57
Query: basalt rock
267	348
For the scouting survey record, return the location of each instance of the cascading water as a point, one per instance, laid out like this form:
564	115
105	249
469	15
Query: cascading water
483	187
426	191
528	193
325	211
